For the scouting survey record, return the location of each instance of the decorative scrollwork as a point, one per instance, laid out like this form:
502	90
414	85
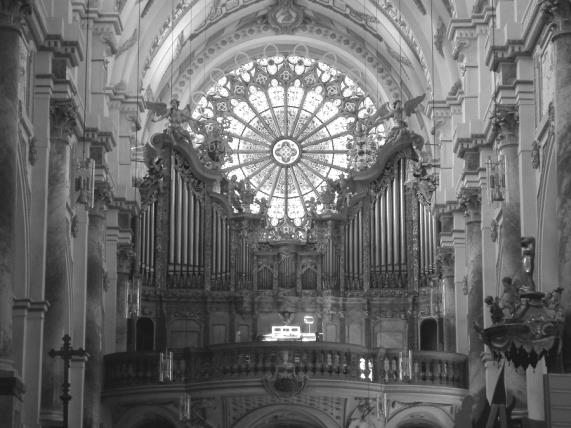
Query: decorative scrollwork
285	381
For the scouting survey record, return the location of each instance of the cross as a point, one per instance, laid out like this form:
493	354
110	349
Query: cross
66	353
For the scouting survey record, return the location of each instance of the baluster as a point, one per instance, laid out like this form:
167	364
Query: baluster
445	368
394	369
386	369
423	370
182	365
329	362
348	366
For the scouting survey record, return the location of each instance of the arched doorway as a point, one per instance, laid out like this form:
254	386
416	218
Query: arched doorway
291	424
155	421
429	335
287	416
145	334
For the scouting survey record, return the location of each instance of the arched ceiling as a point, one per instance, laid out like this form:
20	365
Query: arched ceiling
385	45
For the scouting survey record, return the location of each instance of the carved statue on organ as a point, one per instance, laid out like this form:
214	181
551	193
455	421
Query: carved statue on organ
395	114
207	133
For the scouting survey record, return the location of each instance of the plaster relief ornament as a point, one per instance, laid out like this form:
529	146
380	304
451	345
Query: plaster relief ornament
206	133
394	115
285	381
285	16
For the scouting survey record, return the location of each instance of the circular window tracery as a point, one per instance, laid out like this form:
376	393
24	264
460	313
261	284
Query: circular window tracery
291	127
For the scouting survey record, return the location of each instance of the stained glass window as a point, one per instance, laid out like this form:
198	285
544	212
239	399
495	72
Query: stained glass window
291	121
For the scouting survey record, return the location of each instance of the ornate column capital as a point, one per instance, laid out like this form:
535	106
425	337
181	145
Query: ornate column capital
63	115
470	200
125	258
505	120
13	12
556	9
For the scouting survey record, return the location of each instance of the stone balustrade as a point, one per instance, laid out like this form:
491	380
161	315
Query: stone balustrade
317	360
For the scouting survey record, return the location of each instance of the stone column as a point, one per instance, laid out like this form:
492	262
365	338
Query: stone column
79	309
559	13
446	263
506	121
11	14
57	258
470	200
94	315
112	316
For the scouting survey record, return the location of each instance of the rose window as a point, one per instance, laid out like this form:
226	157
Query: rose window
290	128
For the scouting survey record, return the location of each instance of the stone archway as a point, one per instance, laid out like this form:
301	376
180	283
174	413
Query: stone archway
155	421
287	416
423	416
148	417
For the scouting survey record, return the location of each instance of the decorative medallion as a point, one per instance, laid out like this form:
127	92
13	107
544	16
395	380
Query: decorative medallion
286	152
285	17
285	381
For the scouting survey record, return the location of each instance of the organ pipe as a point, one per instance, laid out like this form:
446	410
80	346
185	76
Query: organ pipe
378	233
402	174
361	244
396	222
179	204
147	238
192	220
184	231
172	220
390	226
383	231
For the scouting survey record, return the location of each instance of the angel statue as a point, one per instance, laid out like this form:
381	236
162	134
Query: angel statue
396	112
177	118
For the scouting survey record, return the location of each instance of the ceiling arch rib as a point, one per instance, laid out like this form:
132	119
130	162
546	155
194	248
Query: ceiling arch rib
366	48
378	31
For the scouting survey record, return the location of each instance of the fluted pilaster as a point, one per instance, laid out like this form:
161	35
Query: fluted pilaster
506	120
445	265
11	15
58	254
559	13
470	201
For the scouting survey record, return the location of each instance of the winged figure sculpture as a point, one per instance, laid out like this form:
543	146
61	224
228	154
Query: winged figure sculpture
396	111
177	118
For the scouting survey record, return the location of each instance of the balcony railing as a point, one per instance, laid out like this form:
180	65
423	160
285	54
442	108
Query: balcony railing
319	360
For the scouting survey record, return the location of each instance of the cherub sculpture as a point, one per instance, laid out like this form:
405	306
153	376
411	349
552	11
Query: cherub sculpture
247	194
396	112
177	118
264	208
234	191
510	299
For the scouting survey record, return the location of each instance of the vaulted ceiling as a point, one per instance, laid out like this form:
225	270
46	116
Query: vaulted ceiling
390	47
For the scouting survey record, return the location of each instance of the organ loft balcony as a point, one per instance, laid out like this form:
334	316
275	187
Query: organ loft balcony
322	379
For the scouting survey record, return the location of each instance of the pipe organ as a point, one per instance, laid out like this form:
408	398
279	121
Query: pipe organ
146	243
377	227
388	232
376	244
220	266
330	259
427	244
242	256
354	252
